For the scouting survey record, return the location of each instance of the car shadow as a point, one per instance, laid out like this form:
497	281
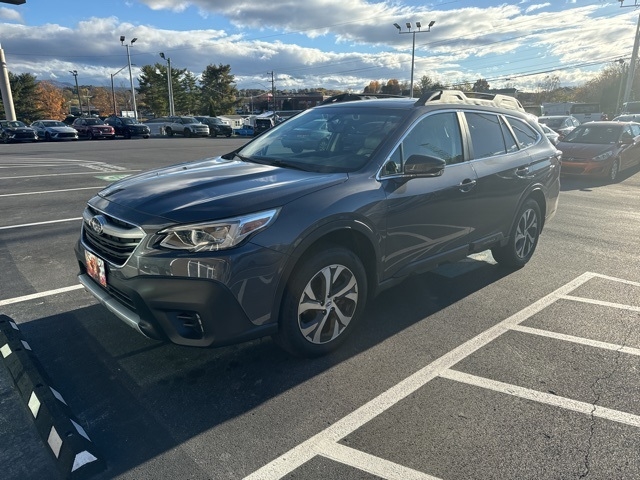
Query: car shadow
140	399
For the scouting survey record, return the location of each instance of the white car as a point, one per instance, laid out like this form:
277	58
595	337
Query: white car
187	126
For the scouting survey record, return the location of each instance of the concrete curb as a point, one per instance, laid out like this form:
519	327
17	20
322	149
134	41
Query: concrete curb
74	454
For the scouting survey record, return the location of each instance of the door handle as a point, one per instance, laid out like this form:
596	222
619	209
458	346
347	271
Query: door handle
522	171
466	185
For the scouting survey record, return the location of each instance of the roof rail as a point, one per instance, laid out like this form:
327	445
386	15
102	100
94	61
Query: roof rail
471	98
349	97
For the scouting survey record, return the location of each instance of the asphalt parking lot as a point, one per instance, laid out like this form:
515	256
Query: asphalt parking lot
468	372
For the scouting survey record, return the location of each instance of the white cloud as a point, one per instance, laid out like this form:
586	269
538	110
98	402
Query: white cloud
10	15
533	8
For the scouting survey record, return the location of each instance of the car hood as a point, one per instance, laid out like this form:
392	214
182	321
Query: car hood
214	188
61	129
19	129
583	150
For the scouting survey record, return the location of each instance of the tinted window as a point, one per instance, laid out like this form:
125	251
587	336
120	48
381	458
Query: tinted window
486	134
436	135
524	133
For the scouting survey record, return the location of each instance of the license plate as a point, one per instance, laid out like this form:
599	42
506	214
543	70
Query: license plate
95	268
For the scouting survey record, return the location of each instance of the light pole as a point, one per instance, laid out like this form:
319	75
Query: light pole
75	74
413	48
133	92
169	84
113	91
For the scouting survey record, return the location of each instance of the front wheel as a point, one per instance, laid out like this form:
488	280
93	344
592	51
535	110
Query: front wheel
614	171
187	133
324	299
523	238
169	132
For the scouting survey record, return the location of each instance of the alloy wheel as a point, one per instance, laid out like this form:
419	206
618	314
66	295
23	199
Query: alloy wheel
526	233
328	304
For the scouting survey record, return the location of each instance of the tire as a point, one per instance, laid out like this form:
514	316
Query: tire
324	299
91	137
187	133
523	237
296	149
127	134
614	171
214	134
47	137
168	131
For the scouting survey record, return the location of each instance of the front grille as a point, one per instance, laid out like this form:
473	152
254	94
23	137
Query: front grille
117	239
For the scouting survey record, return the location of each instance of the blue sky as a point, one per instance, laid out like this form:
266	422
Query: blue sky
334	44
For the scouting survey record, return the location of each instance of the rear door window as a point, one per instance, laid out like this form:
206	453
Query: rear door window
487	134
524	133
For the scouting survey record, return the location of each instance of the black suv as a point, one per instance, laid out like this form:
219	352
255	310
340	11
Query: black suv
271	240
216	127
128	127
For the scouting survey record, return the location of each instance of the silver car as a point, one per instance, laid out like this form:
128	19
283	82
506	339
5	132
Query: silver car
54	130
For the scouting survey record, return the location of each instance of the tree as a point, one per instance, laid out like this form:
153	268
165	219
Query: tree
481	85
426	84
24	92
373	87
101	100
219	94
392	87
188	100
153	89
50	101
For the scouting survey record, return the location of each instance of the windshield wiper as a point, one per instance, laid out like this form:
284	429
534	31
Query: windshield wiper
278	163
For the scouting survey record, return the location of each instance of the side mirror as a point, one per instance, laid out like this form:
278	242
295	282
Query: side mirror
424	166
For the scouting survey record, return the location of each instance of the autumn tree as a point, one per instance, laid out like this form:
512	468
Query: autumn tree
427	84
50	101
373	87
392	87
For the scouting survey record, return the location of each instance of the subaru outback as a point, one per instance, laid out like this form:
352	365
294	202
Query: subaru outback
291	242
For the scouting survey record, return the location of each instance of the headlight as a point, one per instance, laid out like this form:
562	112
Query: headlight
220	235
603	156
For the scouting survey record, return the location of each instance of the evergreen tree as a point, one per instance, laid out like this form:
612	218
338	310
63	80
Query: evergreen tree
219	94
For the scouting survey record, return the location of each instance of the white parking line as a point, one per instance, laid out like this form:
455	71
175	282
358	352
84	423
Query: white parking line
34	296
11	227
543	397
305	451
99	187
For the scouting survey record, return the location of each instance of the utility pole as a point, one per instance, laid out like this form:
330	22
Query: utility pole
273	93
631	71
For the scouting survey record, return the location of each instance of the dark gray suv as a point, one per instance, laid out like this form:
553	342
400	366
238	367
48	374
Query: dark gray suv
271	240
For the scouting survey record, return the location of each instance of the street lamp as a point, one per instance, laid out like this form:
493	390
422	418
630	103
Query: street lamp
413	49
133	92
75	74
113	91
169	84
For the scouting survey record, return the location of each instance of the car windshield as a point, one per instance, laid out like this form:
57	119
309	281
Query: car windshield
53	123
94	121
128	121
189	120
336	139
13	124
594	134
554	122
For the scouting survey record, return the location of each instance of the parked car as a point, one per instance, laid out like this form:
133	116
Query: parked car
49	130
128	127
244	131
16	131
601	149
562	124
216	126
552	135
93	128
267	241
187	126
262	125
312	136
627	117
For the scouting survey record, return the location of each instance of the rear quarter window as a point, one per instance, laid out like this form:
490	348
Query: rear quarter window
525	134
487	137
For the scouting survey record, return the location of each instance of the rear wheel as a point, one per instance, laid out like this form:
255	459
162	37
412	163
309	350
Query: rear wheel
187	133
91	137
324	299
168	131
523	238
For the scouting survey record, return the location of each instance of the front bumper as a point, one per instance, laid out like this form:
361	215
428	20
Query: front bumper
586	168
190	311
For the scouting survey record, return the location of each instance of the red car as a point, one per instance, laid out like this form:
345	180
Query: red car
601	149
92	128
